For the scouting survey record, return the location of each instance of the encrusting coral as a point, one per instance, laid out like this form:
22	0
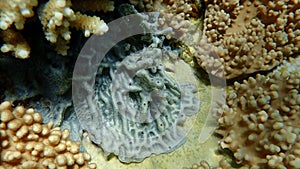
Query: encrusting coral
251	35
143	109
261	124
27	143
56	17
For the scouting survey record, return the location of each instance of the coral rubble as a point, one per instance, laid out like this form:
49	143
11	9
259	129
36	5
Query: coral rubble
251	35
27	143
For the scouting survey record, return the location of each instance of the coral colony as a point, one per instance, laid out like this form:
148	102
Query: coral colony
142	109
142	106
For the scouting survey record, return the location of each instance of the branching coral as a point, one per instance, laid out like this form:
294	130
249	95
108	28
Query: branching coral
261	124
15	12
26	143
56	17
251	36
15	42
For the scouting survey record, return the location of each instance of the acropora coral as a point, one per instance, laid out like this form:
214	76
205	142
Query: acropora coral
56	16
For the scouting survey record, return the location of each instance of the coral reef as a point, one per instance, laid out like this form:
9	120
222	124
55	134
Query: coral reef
261	123
251	36
142	108
56	17
27	143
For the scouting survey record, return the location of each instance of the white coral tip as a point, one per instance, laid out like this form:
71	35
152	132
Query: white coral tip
68	11
58	15
22	54
101	29
60	3
3	25
26	12
67	36
6	48
87	33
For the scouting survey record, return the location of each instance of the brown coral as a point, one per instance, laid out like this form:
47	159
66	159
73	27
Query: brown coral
15	42
56	16
251	35
15	13
261	124
27	144
188	8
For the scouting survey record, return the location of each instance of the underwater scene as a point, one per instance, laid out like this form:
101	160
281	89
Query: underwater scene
149	84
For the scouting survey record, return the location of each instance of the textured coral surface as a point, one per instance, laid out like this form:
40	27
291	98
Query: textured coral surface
27	143
261	123
141	107
251	35
192	150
